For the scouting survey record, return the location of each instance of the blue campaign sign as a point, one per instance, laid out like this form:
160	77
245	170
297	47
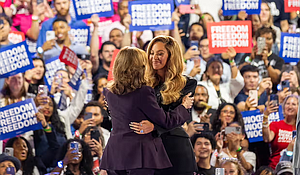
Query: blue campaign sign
253	123
81	35
18	118
62	104
233	7
290	47
52	66
76	78
14	59
84	9
151	15
182	2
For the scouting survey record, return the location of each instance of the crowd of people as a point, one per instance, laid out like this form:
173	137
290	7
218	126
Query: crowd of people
171	104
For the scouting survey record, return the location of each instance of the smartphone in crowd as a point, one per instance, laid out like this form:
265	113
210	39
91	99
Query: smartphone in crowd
50	35
253	96
288	68
235	129
10	170
186	9
88	115
43	90
220	171
274	99
9	151
58	78
261	44
194	44
294	133
75	146
285	84
83	56
95	134
205	126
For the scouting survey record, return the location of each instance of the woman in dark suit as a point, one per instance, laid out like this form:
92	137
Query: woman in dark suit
129	99
164	73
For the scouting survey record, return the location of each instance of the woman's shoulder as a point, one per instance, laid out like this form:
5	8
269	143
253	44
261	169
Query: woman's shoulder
190	85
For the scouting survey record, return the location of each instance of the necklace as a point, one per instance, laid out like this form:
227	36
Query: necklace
230	154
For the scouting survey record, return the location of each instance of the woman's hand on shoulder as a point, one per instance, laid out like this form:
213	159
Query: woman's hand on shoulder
143	127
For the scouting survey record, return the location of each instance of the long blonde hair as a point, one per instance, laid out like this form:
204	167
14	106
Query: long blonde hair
174	80
128	71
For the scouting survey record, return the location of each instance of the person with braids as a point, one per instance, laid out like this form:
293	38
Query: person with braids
129	99
73	162
164	70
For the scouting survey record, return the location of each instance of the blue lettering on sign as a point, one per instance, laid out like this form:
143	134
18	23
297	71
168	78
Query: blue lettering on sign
18	118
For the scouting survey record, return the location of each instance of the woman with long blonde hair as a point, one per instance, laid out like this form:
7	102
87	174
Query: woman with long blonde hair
129	99
164	73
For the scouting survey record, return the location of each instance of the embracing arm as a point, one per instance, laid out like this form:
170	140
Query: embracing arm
157	115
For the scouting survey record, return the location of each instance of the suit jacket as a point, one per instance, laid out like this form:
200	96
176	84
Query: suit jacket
176	141
127	150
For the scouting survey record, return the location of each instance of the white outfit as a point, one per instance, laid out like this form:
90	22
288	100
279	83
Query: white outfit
212	7
146	36
190	65
69	115
249	156
35	171
228	90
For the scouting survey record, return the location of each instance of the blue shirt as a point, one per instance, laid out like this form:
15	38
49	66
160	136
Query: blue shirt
243	97
47	25
56	50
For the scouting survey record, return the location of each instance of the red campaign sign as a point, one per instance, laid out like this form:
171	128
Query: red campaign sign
16	37
68	57
236	34
291	5
110	73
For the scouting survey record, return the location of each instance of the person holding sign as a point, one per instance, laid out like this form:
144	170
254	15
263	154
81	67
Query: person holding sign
53	48
165	68
62	8
279	134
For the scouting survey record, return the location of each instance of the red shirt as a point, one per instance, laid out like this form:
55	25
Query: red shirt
283	136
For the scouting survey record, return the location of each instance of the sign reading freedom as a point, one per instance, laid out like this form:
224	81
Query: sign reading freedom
236	34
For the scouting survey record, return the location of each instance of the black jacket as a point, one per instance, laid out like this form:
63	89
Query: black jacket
176	141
